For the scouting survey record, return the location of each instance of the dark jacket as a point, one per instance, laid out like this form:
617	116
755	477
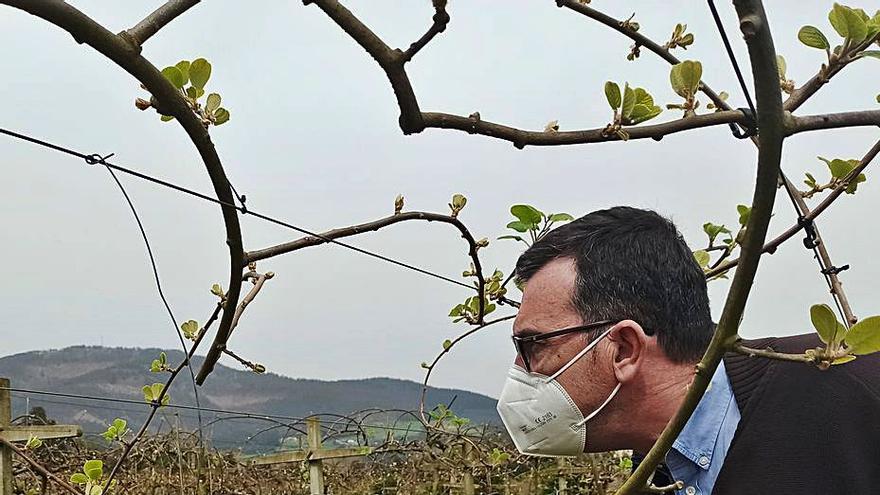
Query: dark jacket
803	430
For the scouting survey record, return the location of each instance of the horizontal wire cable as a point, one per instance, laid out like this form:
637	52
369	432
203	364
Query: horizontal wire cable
340	420
94	158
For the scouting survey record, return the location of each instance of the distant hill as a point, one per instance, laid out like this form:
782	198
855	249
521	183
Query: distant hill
119	373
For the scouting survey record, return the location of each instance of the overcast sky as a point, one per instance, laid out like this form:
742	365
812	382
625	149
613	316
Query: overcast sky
313	139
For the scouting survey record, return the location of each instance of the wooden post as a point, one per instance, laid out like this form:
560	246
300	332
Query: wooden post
5	453
467	481
22	434
314	456
316	466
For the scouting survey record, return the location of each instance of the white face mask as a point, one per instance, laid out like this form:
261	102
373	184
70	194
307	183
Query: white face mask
540	416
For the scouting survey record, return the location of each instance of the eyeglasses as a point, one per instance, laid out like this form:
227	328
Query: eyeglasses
524	345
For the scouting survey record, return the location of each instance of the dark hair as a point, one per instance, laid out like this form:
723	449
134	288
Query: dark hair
632	264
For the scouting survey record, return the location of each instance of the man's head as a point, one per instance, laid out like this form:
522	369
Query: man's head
632	267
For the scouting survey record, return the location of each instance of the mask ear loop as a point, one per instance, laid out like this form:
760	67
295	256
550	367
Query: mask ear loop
578	356
599	409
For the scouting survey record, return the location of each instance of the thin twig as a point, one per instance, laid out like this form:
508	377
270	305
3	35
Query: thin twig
445	350
39	468
259	281
766	353
799	96
441	19
641	40
151	24
338	233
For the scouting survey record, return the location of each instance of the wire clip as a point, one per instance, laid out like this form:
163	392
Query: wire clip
833	270
95	158
750	128
810	241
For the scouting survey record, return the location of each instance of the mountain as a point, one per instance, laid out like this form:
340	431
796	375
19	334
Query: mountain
120	373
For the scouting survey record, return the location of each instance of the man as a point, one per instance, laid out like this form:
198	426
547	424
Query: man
614	317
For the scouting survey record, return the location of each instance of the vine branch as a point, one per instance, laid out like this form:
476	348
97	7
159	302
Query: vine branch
756	31
151	24
331	235
795	125
771	246
441	19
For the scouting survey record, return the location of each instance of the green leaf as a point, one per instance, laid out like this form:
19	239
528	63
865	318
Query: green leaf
560	217
157	390
629	101
174	76
781	66
213	102
96	490
612	94
839	168
641	113
474	304
854	184
744	213
864	337
848	23
183	67
120	424
33	443
166	118
686	40
221	116
702	258
824	321
813	37
456	311
148	393
713	230
217	290
643	97
79	478
843	359
685	77
199	72
870	53
94	469
518	226
447	344
194	92
526	214
190	328
458	201
810	180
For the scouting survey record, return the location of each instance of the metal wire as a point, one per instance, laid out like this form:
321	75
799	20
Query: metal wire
742	82
248	414
161	292
95	158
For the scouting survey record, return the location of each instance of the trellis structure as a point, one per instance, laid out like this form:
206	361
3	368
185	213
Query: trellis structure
774	122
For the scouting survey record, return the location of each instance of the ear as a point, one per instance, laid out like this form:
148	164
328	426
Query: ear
629	345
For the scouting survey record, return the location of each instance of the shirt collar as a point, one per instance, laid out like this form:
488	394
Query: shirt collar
697	440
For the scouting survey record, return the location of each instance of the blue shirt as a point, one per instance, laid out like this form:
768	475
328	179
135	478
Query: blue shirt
698	453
